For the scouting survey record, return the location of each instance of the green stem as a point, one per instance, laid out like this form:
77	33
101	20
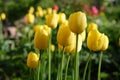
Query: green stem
67	67
49	54
89	71
38	71
76	60
30	73
89	57
61	67
99	67
1	34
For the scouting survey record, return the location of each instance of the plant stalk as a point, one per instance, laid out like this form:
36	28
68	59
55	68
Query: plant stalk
99	67
76	74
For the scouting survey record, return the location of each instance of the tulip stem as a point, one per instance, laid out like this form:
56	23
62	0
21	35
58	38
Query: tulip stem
38	70
49	54
76	60
1	35
67	67
86	66
99	67
89	71
61	67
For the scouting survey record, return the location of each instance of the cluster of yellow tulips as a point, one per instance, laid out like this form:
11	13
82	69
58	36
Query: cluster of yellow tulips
70	36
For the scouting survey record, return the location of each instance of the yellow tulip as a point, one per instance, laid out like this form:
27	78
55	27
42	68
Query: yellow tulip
3	16
39	13
41	38
39	8
92	26
95	40
52	47
52	20
106	42
36	27
49	10
30	18
77	22
32	60
83	35
44	12
62	18
31	10
65	36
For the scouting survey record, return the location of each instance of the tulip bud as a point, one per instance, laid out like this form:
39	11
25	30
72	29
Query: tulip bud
106	42
49	10
30	18
95	40
65	36
62	18
39	13
77	22
3	16
41	38
32	60
36	27
92	26
39	8
52	20
52	47
31	10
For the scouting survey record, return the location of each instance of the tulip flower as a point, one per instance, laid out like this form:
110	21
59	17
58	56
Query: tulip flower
3	16
77	22
39	8
49	10
32	60
39	13
52	20
62	18
30	18
44	12
106	42
55	7
65	36
95	40
92	26
31	10
52	47
41	38
94	11
36	27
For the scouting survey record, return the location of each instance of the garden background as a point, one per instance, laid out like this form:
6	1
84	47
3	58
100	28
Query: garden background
18	37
